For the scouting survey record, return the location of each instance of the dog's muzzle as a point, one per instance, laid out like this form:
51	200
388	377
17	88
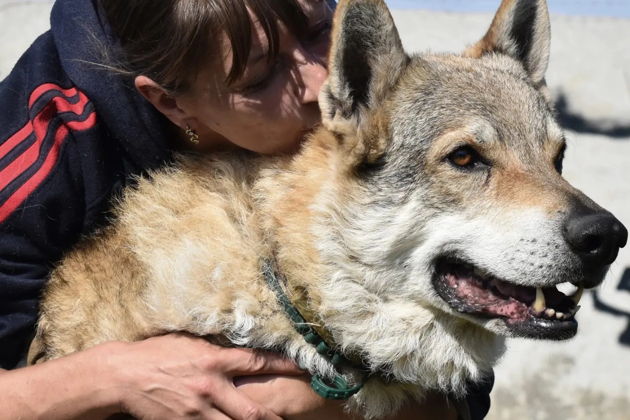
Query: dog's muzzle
594	237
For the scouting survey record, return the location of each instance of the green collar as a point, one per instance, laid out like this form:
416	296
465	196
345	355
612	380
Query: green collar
339	389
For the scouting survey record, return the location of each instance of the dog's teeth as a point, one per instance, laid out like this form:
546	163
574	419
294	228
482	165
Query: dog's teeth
575	297
539	303
560	315
550	312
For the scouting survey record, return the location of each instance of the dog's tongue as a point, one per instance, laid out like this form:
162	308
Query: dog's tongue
472	291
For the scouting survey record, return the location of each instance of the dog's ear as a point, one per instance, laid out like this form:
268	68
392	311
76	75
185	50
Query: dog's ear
521	30
365	61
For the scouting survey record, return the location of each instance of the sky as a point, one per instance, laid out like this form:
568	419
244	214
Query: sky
611	8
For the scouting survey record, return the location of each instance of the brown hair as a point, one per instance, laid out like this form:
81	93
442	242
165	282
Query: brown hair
170	40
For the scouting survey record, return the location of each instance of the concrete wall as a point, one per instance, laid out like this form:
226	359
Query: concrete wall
587	377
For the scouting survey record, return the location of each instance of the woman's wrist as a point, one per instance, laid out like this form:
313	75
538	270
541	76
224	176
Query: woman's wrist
78	386
104	385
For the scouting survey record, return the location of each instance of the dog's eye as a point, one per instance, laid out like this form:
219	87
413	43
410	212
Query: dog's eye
464	157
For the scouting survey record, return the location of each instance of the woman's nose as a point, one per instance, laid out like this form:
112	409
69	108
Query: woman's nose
310	75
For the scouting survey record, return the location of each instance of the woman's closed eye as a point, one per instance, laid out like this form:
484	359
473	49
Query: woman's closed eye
321	32
261	82
315	41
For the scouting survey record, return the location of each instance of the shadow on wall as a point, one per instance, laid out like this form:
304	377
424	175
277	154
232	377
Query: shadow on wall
581	124
624	284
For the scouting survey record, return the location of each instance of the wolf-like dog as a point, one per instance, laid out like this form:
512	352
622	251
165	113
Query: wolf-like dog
426	220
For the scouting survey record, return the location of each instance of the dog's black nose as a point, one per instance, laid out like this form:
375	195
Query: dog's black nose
595	237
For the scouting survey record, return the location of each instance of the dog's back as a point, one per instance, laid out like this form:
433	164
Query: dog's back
144	274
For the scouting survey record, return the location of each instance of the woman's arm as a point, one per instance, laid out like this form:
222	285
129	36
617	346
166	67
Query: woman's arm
71	387
168	377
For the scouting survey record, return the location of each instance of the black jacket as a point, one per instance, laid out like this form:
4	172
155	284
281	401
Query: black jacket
70	135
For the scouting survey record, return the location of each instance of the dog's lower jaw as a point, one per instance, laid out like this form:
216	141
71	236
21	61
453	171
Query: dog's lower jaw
413	350
449	367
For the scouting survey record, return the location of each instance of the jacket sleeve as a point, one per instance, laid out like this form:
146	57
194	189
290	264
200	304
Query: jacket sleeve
29	244
47	132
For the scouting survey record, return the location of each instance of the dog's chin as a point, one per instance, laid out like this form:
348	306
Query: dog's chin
502	307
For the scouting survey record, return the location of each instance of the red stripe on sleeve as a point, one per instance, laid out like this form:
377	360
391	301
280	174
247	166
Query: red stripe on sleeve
15	139
40	126
27	130
33	182
47	87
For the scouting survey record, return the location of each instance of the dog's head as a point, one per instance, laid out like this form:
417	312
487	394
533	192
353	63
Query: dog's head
457	201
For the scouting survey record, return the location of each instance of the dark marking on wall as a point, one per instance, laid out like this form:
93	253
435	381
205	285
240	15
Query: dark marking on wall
582	124
624	285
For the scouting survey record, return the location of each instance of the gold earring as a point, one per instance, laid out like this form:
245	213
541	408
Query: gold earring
192	135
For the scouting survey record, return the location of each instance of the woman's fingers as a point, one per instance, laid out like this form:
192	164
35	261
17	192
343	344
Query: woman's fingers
237	406
292	398
247	362
216	414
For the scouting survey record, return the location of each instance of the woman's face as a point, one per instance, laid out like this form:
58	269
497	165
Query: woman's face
271	107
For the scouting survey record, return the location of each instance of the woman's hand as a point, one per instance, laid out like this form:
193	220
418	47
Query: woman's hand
180	377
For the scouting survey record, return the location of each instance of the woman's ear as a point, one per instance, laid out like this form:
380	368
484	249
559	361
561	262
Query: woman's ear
161	100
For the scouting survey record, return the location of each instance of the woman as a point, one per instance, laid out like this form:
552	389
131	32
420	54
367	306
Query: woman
76	126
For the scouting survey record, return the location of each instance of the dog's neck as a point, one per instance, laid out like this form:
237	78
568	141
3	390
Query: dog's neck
294	252
295	268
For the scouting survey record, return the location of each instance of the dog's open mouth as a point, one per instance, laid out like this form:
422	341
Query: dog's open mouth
527	311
